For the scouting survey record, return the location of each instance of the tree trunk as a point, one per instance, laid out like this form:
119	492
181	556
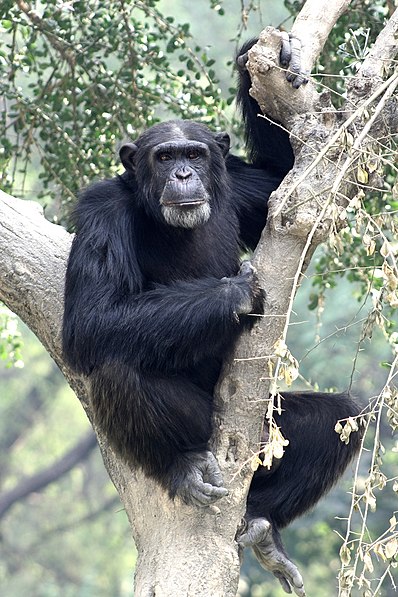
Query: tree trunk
186	551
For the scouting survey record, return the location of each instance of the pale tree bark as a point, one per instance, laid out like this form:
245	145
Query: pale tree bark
185	551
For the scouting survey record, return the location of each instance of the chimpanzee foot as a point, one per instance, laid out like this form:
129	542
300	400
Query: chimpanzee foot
258	535
199	481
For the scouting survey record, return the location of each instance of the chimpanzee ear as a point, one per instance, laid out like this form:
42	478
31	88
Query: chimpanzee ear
126	154
223	141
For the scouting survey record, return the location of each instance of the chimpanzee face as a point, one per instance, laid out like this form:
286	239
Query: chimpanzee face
182	171
176	172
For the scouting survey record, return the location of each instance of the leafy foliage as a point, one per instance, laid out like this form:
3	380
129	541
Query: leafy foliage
10	339
80	76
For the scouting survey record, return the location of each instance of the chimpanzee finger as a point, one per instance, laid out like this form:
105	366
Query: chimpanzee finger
213	492
211	471
286	53
295	59
301	79
291	575
204	494
199	499
284	582
242	60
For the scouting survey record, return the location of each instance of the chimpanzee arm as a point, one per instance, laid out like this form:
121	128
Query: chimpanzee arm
268	145
251	188
270	154
267	142
177	324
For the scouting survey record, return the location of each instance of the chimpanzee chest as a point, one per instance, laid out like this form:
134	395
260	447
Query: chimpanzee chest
174	254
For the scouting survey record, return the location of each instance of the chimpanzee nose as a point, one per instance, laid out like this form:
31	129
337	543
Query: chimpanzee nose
183	173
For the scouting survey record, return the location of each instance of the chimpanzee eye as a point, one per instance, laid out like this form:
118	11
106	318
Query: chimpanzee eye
164	157
193	154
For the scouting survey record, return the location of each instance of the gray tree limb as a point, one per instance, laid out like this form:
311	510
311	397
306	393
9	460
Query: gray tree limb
48	475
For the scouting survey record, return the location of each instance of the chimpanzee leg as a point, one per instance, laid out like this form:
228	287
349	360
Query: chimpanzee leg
314	459
163	424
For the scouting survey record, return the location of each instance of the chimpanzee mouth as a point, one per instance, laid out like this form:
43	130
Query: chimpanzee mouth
184	204
186	214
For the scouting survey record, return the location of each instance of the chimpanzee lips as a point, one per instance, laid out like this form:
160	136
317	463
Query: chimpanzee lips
178	203
184	195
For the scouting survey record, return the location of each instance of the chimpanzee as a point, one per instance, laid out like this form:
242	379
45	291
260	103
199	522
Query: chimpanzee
155	298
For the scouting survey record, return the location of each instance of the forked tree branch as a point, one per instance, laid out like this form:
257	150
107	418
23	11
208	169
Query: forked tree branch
383	51
313	25
377	62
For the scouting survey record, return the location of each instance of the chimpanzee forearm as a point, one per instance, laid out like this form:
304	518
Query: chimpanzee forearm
183	322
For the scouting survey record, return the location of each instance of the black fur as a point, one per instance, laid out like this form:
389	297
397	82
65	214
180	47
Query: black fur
313	461
276	156
153	309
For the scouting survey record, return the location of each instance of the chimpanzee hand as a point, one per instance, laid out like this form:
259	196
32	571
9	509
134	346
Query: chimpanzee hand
257	533
251	296
201	483
290	59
